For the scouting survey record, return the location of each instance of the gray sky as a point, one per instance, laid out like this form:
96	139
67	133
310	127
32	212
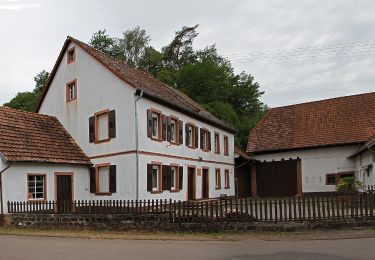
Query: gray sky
297	50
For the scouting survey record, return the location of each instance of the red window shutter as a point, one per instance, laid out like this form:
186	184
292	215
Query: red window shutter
149	123
92	129
196	136
112	124
112	179
168	128
164	127
180	128
209	141
149	177
92	180
180	177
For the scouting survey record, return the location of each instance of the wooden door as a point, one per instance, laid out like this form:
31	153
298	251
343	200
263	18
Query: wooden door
191	183
205	185
64	195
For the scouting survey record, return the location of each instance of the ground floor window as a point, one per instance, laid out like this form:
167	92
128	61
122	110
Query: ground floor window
334	178
103	179
155	177
218	179
36	187
226	179
174	177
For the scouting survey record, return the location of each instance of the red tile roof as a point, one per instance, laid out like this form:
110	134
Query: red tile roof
336	121
140	79
30	137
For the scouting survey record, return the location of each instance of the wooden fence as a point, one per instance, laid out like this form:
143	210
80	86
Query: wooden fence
296	209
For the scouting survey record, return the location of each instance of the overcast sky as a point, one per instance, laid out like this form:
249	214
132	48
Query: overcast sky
298	50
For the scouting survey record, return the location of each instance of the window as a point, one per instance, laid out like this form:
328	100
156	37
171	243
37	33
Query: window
174	177
226	148
155	177
218	179
71	53
174	131
331	179
205	140
217	143
190	136
102	126
36	187
103	179
226	179
155	125
71	91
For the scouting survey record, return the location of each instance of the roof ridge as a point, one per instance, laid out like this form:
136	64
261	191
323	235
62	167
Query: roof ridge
19	111
322	100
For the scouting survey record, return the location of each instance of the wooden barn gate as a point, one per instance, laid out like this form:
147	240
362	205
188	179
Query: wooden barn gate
278	178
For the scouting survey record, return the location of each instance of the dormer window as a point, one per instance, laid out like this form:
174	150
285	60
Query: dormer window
71	55
71	91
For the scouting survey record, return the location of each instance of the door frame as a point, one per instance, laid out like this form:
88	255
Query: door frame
194	181
207	183
71	174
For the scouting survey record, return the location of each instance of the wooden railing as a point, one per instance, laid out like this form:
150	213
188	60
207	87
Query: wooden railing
312	208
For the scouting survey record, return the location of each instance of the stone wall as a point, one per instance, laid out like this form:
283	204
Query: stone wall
163	222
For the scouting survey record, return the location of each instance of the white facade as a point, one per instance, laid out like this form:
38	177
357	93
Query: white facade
15	180
365	163
316	163
99	89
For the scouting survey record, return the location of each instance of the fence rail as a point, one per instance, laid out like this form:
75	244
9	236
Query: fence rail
360	206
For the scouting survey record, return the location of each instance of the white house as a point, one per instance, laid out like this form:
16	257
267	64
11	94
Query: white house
307	148
39	160
146	139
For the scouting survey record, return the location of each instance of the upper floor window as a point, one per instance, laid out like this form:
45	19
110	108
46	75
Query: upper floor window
71	55
191	132
102	126
71	91
154	124
205	140
226	147
217	142
36	186
173	130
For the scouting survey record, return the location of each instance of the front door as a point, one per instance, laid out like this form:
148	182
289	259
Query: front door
64	195
205	187
191	183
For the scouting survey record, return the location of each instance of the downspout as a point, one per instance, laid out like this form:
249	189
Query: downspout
1	189
140	93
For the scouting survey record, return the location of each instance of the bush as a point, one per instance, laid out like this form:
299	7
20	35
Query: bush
349	185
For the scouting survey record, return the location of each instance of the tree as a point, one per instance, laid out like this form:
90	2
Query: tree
103	42
28	101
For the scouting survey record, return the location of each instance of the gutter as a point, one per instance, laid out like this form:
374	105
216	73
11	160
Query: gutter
139	93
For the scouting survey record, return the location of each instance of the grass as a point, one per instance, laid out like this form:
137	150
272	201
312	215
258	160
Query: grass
188	236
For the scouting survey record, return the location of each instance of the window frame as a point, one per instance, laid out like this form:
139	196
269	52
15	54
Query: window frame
206	137
177	130
217	179
217	142
68	52
338	176
192	145
97	167
159	189
44	186
226	179
175	188
226	145
97	115
67	91
159	136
